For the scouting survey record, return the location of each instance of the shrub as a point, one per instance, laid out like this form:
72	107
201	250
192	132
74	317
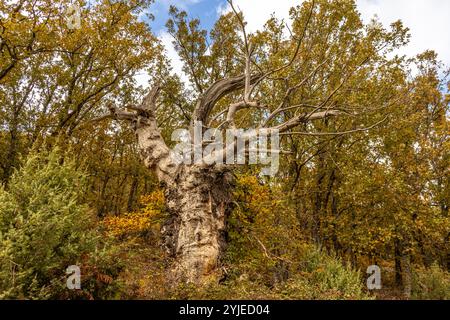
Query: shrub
431	284
325	277
44	229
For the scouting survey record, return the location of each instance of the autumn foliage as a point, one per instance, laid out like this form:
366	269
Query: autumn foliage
369	187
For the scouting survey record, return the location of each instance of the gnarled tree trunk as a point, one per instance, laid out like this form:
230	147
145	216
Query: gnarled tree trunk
199	203
198	198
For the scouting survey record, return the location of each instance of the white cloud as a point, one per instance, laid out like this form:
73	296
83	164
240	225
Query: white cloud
142	78
428	19
172	54
166	39
257	12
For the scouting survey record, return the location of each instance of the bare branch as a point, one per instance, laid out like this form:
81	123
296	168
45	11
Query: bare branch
118	114
143	112
242	24
115	114
291	90
149	103
235	107
303	118
100	118
217	91
335	133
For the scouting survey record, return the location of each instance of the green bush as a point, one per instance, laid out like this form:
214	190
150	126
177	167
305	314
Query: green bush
44	228
320	277
325	277
431	284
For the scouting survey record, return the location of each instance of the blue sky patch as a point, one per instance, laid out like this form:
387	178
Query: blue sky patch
205	10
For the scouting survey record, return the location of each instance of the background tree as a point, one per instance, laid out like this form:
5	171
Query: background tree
63	77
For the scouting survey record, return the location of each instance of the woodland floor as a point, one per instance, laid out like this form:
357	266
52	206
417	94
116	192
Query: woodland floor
144	277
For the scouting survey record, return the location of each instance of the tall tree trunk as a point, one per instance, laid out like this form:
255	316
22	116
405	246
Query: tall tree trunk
199	204
447	252
198	198
403	272
398	263
318	200
133	191
11	157
407	275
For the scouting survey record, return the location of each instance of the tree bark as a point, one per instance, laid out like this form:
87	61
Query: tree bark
398	264
199	203
407	275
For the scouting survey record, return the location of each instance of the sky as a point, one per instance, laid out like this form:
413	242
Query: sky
428	20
